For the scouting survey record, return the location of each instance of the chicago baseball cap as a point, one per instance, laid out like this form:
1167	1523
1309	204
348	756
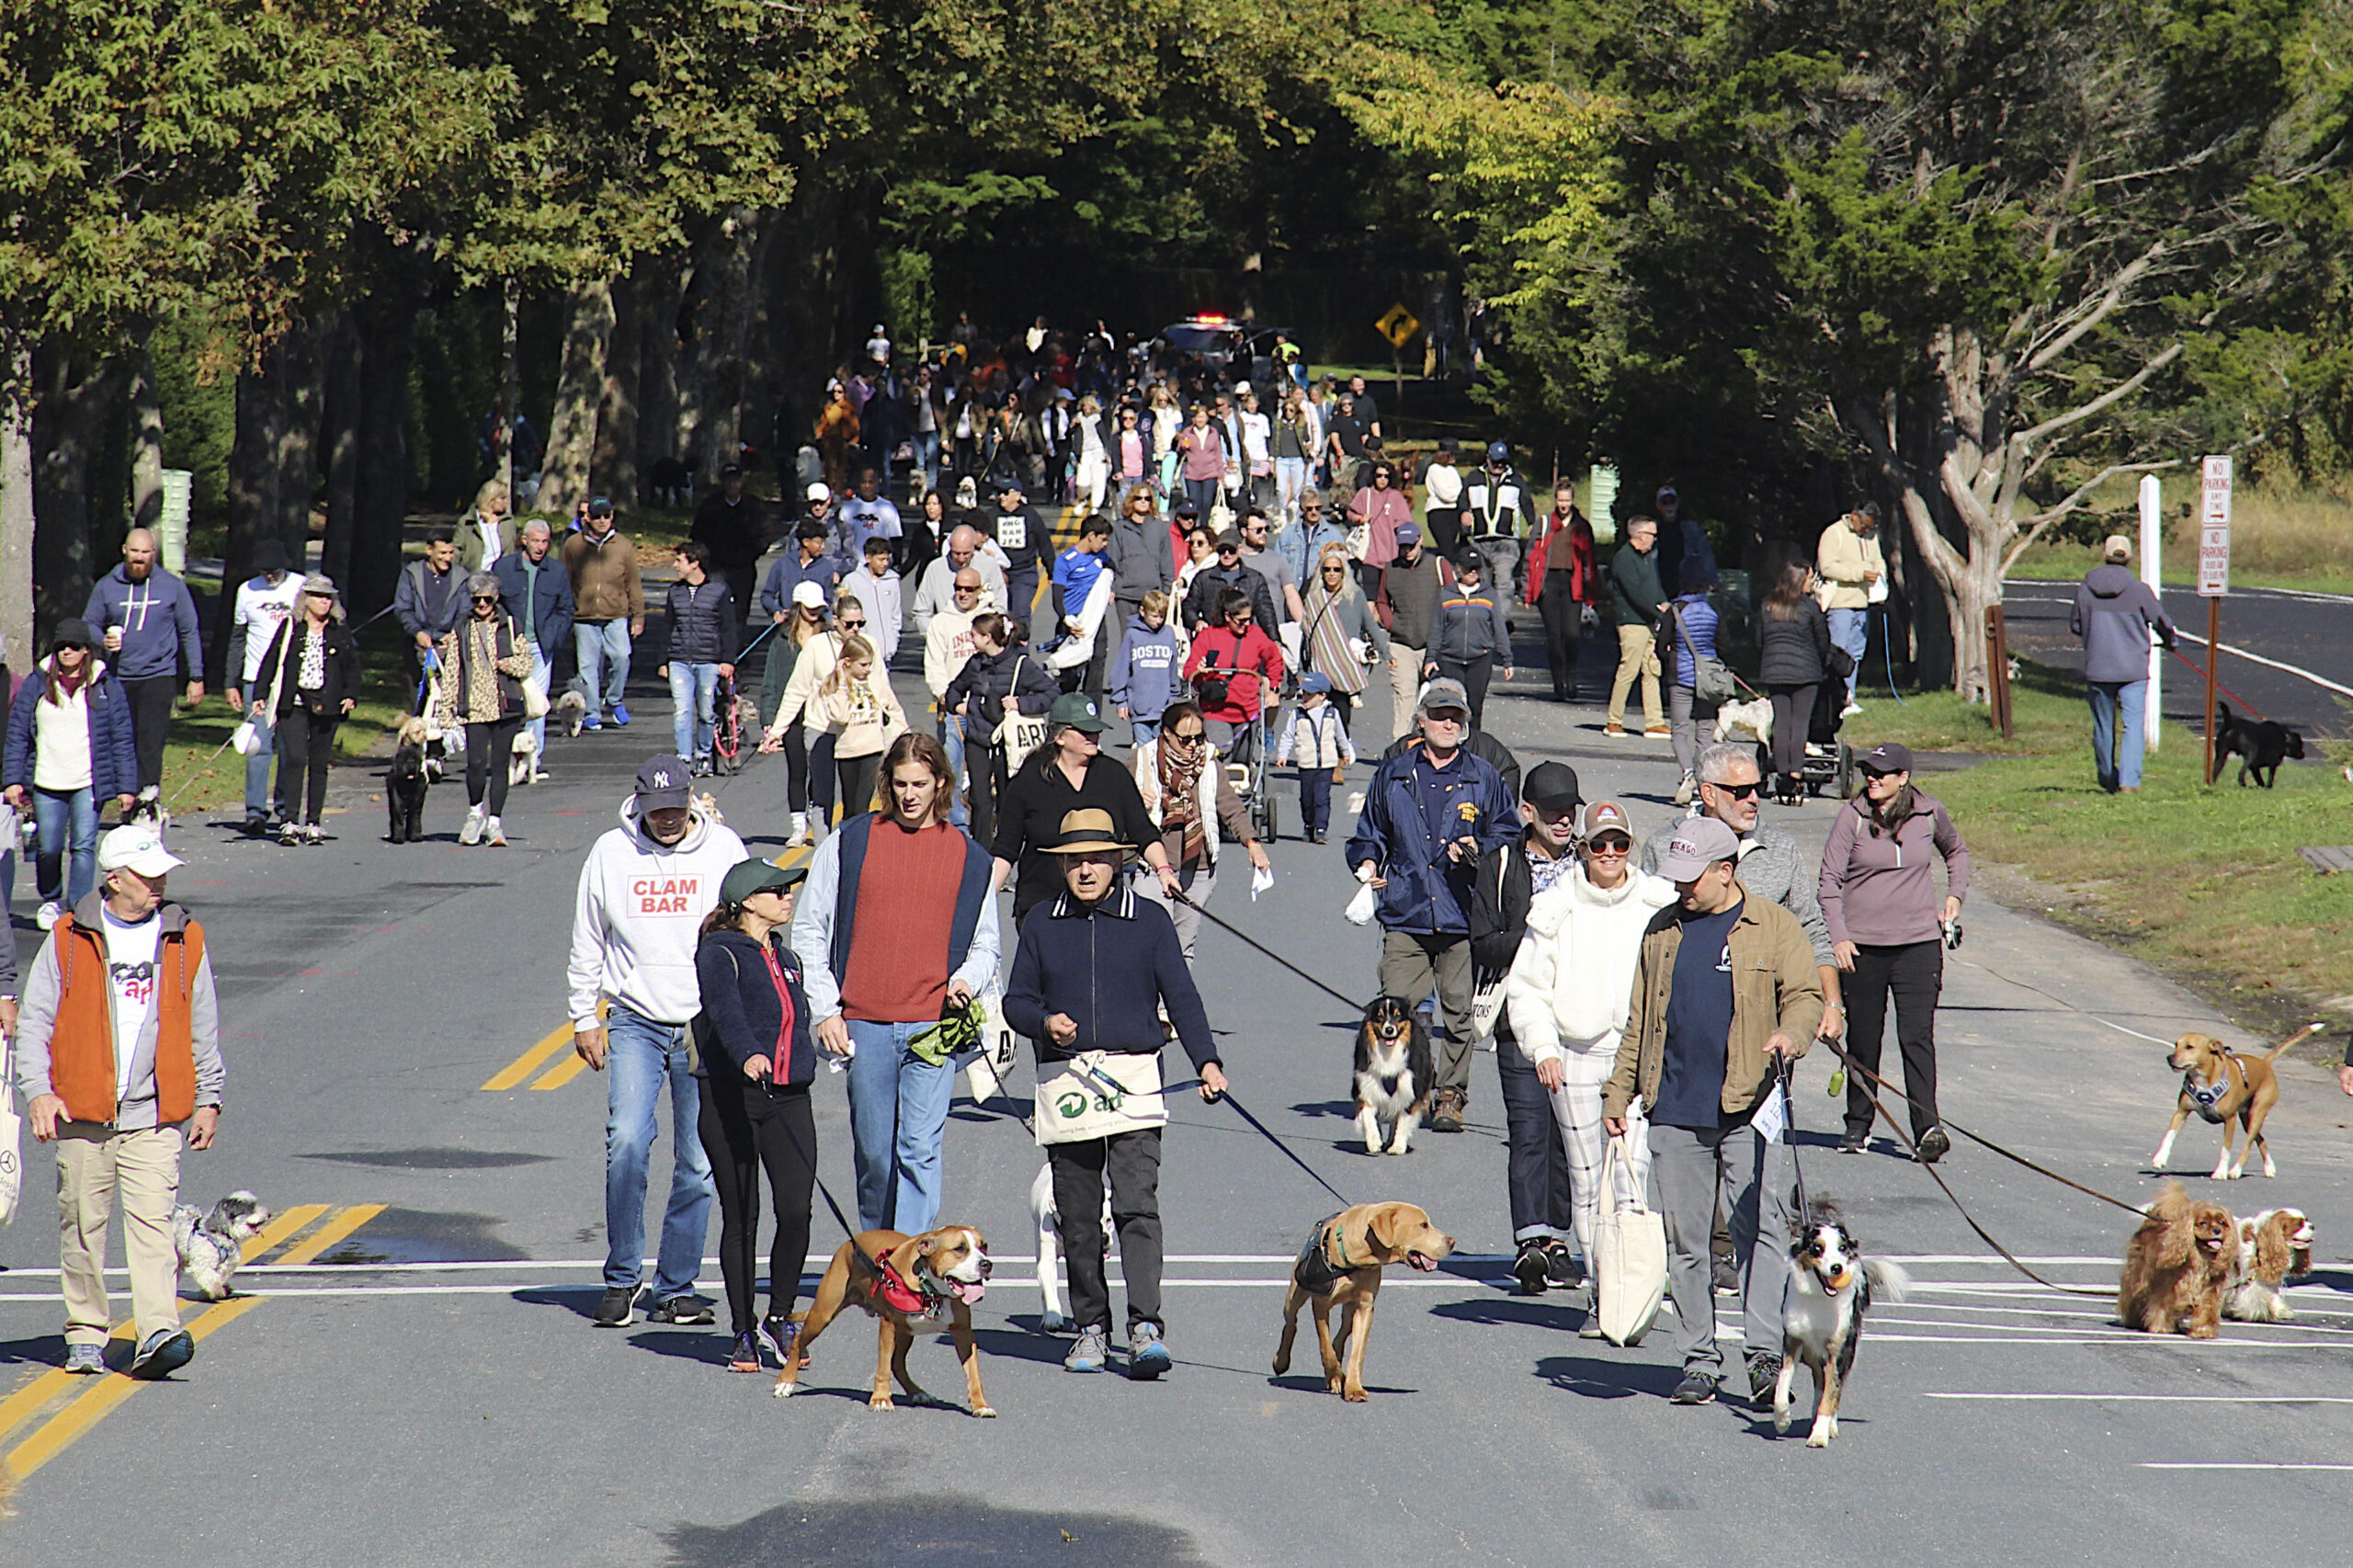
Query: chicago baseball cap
664	783
1699	844
136	848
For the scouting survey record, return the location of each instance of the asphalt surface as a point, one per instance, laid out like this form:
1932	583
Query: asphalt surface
2311	634
429	1392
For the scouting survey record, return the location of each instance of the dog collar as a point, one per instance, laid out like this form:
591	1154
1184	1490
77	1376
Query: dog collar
899	1294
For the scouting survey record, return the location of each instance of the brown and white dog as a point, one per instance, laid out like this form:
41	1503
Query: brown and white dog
2274	1246
2175	1266
899	1279
1391	1077
1340	1267
2224	1085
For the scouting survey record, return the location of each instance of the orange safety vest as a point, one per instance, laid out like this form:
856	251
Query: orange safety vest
81	1068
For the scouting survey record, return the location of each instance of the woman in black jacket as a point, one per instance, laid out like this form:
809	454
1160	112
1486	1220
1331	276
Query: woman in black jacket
1793	647
757	1057
318	688
995	673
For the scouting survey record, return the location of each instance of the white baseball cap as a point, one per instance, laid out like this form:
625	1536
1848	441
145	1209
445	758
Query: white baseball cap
809	593
136	848
819	493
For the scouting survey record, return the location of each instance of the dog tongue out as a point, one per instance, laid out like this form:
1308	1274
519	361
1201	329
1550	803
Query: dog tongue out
966	1293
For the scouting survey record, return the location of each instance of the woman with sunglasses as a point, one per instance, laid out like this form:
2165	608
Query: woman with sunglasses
69	752
311	671
480	685
1568	995
814	662
1344	639
1373	515
1888	933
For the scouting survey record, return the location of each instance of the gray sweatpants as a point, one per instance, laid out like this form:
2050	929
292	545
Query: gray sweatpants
1692	1166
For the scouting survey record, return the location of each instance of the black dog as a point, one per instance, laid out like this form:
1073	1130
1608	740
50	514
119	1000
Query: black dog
1392	1080
2261	746
405	786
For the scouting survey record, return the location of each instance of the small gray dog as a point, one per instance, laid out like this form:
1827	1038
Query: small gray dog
212	1246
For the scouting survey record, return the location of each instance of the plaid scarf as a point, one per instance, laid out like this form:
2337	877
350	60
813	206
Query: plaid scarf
1181	763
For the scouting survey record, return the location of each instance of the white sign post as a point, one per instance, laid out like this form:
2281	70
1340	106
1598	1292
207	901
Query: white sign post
2152	547
2213	575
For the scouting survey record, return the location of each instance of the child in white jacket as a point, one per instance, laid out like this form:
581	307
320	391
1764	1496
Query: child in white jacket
1315	742
1570	990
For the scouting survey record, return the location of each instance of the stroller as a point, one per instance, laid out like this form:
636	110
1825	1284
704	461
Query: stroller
1251	777
1829	765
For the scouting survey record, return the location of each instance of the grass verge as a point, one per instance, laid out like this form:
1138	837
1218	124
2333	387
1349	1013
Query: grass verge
2204	883
200	774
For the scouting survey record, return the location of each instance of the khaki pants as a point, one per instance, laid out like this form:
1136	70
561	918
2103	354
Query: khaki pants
1636	658
1405	686
1411	965
94	1164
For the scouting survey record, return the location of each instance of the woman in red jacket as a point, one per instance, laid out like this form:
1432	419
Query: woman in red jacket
1560	585
1237	671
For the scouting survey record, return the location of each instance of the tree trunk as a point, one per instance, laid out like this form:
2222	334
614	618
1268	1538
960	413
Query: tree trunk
146	445
510	384
17	647
78	392
273	461
340	450
579	389
661	350
387	340
710	395
613	460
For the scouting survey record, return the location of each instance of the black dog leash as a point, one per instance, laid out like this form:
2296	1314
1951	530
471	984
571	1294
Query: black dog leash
1288	1152
1252	942
1789	1132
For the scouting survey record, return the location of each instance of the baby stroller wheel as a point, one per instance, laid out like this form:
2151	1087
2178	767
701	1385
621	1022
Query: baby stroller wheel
1262	814
1846	771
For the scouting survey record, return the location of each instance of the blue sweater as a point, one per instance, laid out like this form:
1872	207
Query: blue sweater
158	620
1696	620
1110	967
741	1012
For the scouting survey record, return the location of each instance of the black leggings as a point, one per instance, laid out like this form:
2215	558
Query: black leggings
858	782
796	770
490	748
1564	631
306	746
1793	721
1915	972
1474	676
745	1126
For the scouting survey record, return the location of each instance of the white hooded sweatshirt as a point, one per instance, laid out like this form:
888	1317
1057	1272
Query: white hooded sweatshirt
1572	984
635	922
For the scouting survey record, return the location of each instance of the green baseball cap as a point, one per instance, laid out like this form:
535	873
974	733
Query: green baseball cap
1079	711
755	875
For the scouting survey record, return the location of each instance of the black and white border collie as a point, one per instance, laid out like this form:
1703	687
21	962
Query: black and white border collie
1832	1285
1392	1075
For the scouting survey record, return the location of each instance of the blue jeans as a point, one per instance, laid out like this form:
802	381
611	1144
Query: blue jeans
1143	730
898	1116
542	678
928	458
603	650
1851	630
257	794
952	735
2118	767
54	814
644	1056
692	688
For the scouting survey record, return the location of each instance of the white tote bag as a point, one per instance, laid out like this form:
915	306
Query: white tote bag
12	1134
1629	1258
1099	1094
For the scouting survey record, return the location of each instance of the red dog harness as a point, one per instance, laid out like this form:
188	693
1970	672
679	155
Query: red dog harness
896	1293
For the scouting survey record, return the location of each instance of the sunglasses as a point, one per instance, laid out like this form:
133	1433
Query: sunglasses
1880	772
479	598
1613	845
961	589
1738	791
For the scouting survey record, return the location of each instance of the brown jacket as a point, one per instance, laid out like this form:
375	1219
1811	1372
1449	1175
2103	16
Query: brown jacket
1774	989
605	585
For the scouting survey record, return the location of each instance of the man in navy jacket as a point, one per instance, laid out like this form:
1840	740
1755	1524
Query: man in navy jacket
146	621
1428	815
537	591
1094	966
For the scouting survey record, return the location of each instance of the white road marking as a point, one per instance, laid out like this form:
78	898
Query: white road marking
2122	1336
2257	658
2232	1464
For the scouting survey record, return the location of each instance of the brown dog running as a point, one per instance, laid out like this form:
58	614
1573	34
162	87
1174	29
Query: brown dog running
2222	1085
898	1278
1340	1265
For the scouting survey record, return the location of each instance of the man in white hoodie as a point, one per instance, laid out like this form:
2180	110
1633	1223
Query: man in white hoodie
1570	992
643	893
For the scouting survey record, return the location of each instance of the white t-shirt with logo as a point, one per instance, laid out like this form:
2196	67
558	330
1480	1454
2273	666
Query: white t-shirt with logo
131	989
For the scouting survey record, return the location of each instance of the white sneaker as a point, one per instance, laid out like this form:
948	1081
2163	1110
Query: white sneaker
1684	790
1852	710
471	832
538	775
47	914
800	831
493	834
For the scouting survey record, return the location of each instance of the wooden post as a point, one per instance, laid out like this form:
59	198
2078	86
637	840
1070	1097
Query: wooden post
2213	668
1997	671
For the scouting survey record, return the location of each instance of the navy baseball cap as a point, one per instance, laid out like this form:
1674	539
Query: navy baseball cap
664	782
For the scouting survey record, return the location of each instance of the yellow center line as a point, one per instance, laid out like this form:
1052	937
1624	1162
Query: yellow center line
40	1390
563	1073
51	1438
334	1231
280	1230
530	1060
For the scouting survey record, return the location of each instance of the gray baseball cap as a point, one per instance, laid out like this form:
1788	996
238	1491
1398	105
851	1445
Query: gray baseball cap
1699	844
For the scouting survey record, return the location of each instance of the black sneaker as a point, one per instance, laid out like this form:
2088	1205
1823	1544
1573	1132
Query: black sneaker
1854	1144
1764	1371
1697	1387
1560	1266
617	1307
1531	1268
165	1352
687	1309
1933	1145
1725	1274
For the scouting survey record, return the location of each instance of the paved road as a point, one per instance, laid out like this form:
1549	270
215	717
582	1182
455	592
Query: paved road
2311	633
428	1390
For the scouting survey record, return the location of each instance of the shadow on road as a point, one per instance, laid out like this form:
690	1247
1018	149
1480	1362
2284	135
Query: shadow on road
1608	1379
933	1528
